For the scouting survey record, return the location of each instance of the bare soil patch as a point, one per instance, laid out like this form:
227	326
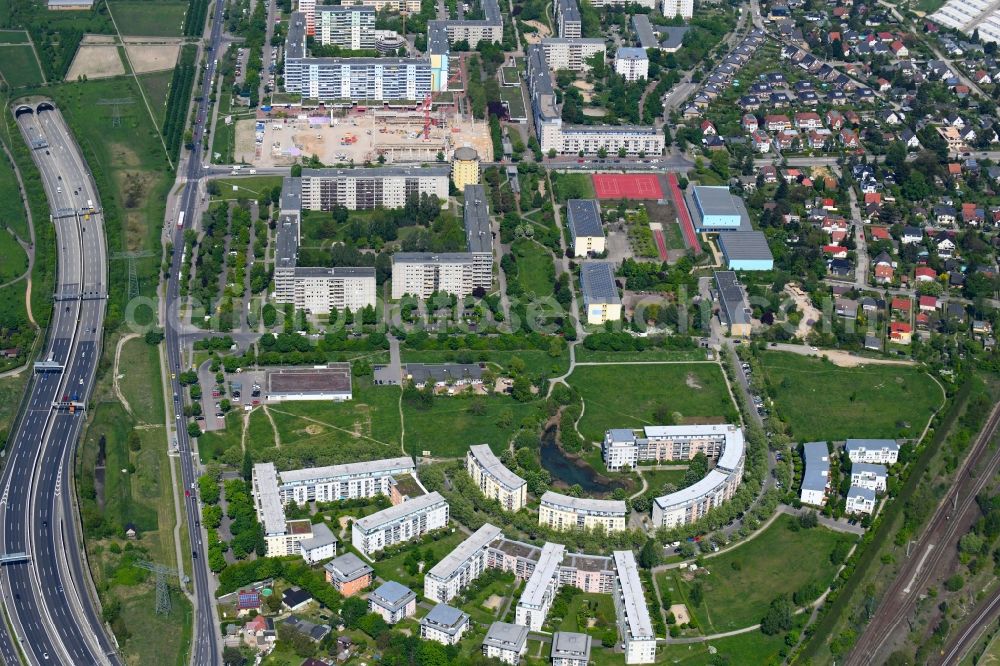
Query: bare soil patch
95	61
692	381
147	55
314	429
680	612
493	602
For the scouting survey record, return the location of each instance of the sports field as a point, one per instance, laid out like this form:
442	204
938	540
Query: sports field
627	186
163	18
18	65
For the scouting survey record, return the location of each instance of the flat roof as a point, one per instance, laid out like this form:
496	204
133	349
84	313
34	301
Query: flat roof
445	617
870	444
365	9
715	200
858	491
585	562
517	549
478	231
431	257
348	567
489	462
673	35
731	297
584	217
392	594
546	569
633	600
451	563
597	281
437	38
569	10
706	485
465	154
817	472
265	484
378	172
295	42
335	272
631	53
321	536
585	504
570	645
506	636
286	249
871	468
644	32
300	381
745	246
441	372
399	511
543	96
366	469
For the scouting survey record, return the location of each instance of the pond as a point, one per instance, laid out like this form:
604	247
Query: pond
568	470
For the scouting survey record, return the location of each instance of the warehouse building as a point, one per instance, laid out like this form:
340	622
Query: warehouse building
562	512
660	444
461	566
634	625
816	477
347	26
403	522
585	230
571	54
366	189
601	301
716	208
734	310
330	382
746	251
494	480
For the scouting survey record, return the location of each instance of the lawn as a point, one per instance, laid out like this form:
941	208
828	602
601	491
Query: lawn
630	396
211	445
505	586
539	362
821	401
500	419
535	268
11	206
393	568
749	648
512	96
157	640
162	18
225	135
656	478
18	66
572	186
11	390
745	580
597	607
247	187
157	87
15	260
607	356
140	383
13	37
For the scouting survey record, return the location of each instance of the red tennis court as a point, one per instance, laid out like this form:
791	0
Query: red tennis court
627	186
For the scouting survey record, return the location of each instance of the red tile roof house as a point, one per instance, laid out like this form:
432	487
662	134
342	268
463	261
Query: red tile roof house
707	128
834	119
873	197
880	233
849	138
750	123
925	274
928	303
884	273
835	251
923	320
900	332
837	235
773	123
808	120
900	305
954	169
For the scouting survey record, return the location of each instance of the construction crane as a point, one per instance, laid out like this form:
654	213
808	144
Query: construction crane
428	102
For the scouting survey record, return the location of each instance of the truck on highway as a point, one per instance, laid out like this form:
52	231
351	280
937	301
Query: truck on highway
180	220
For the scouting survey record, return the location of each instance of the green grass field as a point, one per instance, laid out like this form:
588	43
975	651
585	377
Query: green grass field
15	259
18	66
600	607
424	431
162	18
11	390
140	384
247	187
745	580
572	186
535	267
157	87
584	355
13	37
749	648
657	477
515	101
393	568
12	213
628	396
821	401
211	445
540	362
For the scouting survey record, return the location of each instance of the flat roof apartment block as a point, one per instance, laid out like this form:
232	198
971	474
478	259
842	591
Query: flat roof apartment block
506	642
568	17
585	230
347	26
816	478
562	512
494	480
461	566
541	587
479	235
368	188
403	522
329	484
422	274
570	649
444	624
571	54
734	310
634	624
879	451
600	293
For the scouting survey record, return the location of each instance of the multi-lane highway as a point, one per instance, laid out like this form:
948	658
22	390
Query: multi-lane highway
46	595
205	649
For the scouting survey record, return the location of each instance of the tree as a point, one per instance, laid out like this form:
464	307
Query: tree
154	336
648	556
808	520
193	429
232	656
697	594
352	610
778	617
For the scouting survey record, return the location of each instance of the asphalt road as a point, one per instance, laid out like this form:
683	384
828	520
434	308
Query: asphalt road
206	645
48	598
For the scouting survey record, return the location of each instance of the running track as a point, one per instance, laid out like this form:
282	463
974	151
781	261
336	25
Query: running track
687	227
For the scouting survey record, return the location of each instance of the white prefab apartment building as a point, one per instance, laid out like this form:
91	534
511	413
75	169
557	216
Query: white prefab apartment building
660	444
816	478
421	274
506	642
632	63
318	289
460	567
878	451
494	480
347	26
562	512
570	649
634	624
571	54
444	624
540	590
333	483
365	189
867	475
682	8
719	485
399	523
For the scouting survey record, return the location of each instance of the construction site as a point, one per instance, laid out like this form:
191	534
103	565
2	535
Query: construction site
359	135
